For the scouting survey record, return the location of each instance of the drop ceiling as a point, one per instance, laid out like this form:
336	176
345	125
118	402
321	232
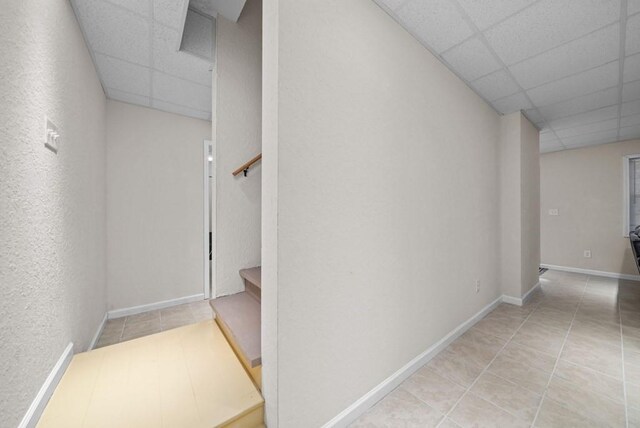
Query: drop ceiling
136	47
572	66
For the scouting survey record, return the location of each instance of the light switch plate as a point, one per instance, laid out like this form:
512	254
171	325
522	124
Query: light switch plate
587	254
51	136
554	211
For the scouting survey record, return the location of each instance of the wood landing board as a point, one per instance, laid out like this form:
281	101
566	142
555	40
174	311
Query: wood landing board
185	377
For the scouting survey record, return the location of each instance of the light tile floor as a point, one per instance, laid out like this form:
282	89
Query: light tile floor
570	357
126	328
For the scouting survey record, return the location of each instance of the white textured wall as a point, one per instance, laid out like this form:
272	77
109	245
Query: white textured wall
530	204
387	186
238	139
154	205
52	207
586	186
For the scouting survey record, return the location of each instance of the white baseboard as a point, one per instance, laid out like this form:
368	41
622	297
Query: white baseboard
593	272
358	408
119	313
98	333
519	301
39	403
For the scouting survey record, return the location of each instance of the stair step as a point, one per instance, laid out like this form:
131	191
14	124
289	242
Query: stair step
253	275
239	318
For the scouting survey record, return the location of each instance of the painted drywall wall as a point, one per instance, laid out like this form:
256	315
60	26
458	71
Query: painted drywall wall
386	178
519	204
238	139
530	204
52	206
154	205
585	185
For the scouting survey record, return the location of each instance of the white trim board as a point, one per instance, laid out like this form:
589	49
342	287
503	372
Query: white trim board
593	272
119	313
94	341
39	403
351	413
519	301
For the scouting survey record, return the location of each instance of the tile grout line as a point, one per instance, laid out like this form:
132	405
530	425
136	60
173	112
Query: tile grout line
553	372
624	376
485	370
622	41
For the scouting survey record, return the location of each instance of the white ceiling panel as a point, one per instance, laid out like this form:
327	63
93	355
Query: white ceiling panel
185	111
117	95
512	103
167	59
170	12
115	31
631	91
631	68
630	121
581	104
135	45
495	85
598	115
597	48
629	133
551	146
438	23
590	128
573	86
548	24
472	59
124	76
573	66
633	35
630	108
181	92
488	12
591	139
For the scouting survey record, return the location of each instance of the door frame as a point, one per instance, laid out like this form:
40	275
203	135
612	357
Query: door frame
209	281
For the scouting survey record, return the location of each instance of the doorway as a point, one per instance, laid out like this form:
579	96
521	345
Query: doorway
209	217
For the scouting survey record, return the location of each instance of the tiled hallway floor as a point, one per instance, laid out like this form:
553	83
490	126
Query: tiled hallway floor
126	328
569	358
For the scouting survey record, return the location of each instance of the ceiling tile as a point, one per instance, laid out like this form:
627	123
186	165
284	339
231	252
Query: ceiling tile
548	24
167	59
581	104
630	132
630	108
630	120
633	6
117	95
585	118
141	7
512	103
177	91
598	48
391	4
124	76
573	86
170	12
631	68
550	146
591	139
633	35
546	135
605	125
437	23
495	85
114	31
487	12
185	111
471	59
631	91
534	115
204	6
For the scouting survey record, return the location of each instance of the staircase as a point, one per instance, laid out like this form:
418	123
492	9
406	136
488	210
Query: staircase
238	316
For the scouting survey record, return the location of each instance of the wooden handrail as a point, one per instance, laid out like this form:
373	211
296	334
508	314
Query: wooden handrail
244	168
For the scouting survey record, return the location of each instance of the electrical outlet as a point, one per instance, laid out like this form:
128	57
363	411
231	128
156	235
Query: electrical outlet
477	285
554	211
587	254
